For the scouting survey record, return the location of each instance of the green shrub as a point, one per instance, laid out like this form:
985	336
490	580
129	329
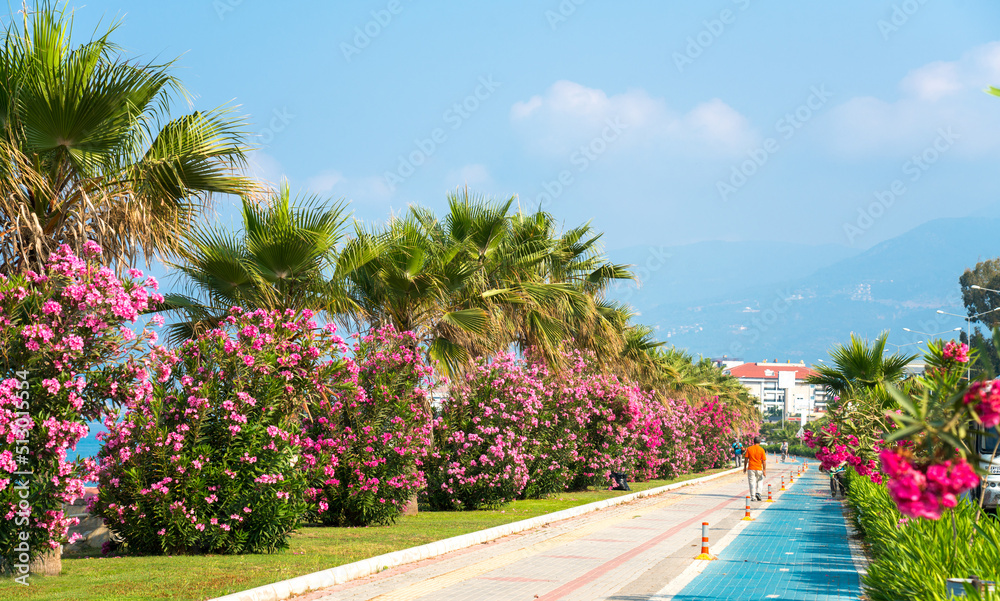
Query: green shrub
209	460
912	557
795	448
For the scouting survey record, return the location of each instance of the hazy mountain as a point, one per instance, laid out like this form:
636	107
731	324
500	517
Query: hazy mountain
705	270
755	315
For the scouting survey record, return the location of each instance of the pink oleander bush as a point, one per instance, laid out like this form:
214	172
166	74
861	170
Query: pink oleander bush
613	421
680	444
919	443
484	433
210	461
364	445
512	428
67	352
714	425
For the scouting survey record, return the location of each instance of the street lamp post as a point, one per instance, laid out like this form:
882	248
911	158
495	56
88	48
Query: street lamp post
899	346
968	333
932	335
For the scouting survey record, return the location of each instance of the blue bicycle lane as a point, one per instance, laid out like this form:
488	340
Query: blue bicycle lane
796	549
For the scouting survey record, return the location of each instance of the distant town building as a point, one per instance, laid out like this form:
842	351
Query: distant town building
915	369
782	385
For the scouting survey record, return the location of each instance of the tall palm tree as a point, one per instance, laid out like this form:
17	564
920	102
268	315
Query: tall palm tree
88	150
481	279
285	257
861	369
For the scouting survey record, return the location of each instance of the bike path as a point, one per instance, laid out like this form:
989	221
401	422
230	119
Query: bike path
629	552
796	549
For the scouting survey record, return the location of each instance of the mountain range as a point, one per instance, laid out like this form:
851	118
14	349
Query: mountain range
759	301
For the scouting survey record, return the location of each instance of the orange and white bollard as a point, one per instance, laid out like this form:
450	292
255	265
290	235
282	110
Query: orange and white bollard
791	477
769	499
746	516
782	483
704	555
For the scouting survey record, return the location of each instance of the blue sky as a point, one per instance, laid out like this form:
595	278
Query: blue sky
640	116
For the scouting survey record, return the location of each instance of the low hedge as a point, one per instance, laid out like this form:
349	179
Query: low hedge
795	448
913	557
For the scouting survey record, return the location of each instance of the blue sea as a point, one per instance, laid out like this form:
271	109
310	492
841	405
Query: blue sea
89	446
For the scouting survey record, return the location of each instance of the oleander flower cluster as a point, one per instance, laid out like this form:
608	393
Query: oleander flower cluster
211	460
835	446
925	491
511	428
363	444
920	445
68	351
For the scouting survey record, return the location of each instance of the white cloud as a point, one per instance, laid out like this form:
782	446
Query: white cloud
333	183
568	114
473	175
940	94
324	182
264	167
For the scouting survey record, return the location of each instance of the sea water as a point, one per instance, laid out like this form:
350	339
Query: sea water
88	446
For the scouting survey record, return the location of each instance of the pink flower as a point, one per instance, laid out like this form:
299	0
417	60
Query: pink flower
51	385
926	492
956	352
986	398
92	249
51	307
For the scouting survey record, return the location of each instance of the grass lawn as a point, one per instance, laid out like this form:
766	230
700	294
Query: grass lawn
310	550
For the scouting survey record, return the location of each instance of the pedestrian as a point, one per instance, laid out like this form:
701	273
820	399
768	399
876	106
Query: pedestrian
784	451
738	452
755	467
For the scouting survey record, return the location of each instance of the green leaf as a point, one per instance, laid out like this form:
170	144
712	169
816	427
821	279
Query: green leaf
468	320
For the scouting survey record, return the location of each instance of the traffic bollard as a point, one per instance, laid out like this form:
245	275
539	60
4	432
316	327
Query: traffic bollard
769	499
746	516
705	555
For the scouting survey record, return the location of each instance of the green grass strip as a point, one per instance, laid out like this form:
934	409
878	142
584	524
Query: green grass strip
189	578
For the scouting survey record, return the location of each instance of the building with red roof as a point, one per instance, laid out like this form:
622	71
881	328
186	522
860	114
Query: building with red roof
782	385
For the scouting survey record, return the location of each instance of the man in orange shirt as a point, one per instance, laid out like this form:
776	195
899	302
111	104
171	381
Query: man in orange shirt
755	467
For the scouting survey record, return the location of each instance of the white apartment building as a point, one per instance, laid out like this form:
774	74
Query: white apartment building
782	385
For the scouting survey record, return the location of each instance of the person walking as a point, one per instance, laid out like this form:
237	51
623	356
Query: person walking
755	467
784	451
738	452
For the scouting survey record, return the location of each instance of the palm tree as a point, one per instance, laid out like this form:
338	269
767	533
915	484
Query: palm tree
482	279
87	151
285	257
861	369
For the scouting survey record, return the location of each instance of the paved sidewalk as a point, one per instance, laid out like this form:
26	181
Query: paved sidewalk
797	549
630	552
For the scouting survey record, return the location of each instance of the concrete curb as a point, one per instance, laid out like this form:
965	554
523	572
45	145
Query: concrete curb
285	589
